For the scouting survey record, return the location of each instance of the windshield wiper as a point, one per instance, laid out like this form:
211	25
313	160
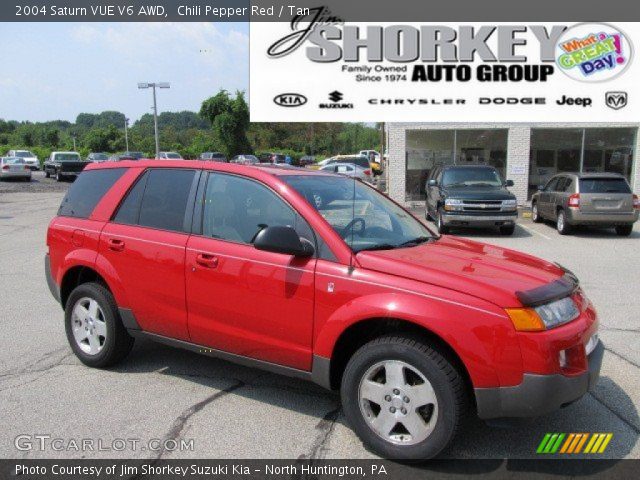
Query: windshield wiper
415	241
381	246
456	184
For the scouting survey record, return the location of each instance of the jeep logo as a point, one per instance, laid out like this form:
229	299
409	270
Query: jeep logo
616	100
290	100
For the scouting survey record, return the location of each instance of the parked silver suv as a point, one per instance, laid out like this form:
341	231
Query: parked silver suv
592	199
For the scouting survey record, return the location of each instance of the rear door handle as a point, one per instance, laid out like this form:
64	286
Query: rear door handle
115	244
207	260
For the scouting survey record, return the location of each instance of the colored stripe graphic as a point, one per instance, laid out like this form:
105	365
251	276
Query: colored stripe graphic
573	443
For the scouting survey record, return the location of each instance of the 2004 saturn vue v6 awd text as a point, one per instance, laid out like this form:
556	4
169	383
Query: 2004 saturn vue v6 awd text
320	277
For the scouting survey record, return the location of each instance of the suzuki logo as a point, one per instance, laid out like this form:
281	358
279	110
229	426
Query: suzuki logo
616	100
336	96
290	99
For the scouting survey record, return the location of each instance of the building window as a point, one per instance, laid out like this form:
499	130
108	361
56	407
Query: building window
426	149
555	150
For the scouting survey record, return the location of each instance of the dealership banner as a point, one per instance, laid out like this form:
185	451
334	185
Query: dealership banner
318	67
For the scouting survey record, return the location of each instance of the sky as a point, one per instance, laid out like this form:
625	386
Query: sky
54	71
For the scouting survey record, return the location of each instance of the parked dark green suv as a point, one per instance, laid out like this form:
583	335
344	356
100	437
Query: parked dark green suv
470	196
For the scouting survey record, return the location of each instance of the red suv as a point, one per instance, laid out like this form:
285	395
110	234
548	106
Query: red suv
320	277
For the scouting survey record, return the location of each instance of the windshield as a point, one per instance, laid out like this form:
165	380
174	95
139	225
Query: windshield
604	185
12	160
363	217
173	155
464	177
67	157
24	154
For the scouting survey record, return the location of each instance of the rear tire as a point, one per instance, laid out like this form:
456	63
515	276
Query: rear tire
535	215
507	230
94	328
562	225
403	398
624	230
440	226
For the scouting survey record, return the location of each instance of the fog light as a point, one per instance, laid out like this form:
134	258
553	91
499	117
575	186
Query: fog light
562	358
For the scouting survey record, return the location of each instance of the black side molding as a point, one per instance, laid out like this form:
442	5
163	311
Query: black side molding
51	283
563	287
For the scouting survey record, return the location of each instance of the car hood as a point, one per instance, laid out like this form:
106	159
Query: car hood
478	193
485	271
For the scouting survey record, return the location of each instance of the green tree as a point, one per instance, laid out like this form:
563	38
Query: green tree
229	117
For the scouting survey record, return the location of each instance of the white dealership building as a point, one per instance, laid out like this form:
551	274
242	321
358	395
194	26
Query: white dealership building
528	154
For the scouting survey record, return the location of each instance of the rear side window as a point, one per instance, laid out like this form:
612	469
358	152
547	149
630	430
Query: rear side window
604	185
85	193
158	200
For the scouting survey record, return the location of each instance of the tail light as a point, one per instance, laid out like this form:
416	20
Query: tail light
636	202
5	167
574	200
367	172
26	167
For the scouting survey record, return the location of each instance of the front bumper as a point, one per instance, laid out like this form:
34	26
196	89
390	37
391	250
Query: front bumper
576	217
538	394
466	220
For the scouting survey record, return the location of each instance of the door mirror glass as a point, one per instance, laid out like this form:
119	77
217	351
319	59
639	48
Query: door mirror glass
283	239
509	183
432	183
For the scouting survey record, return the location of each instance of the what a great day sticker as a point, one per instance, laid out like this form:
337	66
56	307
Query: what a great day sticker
593	52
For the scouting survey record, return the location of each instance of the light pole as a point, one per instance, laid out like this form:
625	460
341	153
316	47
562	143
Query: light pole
126	134
155	108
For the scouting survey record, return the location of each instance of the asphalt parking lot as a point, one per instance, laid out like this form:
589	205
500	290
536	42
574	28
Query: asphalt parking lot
235	412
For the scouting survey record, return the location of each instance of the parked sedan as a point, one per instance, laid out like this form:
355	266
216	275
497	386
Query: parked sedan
350	170
245	159
31	159
14	167
590	199
97	157
169	156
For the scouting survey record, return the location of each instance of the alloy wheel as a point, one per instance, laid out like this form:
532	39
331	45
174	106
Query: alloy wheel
89	326
398	402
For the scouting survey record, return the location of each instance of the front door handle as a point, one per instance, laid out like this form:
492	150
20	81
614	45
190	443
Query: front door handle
207	260
115	244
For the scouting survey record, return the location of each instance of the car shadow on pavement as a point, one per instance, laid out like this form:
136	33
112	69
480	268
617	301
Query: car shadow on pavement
607	409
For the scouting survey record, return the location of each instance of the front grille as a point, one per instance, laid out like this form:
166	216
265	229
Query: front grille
481	205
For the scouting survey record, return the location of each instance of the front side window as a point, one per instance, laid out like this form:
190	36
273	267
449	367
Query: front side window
363	217
236	209
158	200
88	189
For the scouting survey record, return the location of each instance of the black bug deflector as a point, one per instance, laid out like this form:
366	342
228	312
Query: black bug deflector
563	287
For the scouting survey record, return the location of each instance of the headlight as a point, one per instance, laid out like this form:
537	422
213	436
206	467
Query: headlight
453	204
545	316
509	204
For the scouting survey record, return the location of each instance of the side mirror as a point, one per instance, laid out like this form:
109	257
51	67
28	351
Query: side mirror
541	188
432	183
283	239
509	183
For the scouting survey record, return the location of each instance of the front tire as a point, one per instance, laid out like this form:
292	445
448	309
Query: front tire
562	225
624	230
58	177
507	230
440	226
403	398
46	173
535	215
94	329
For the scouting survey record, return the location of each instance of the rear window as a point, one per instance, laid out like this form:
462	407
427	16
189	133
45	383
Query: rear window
85	193
67	157
604	185
165	198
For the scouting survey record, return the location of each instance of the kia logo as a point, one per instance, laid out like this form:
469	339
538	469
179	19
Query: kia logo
290	100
